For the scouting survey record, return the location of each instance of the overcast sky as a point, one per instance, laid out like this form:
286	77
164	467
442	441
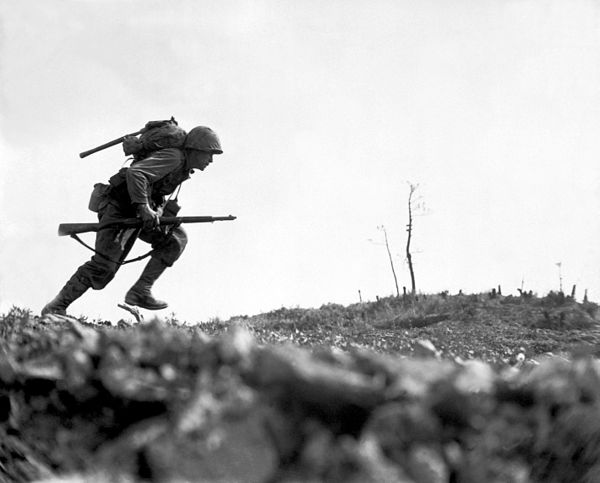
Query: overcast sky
326	110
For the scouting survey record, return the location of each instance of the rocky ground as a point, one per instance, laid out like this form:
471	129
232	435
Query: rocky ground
477	388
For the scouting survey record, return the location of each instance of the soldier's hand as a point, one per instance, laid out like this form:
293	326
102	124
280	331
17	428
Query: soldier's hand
149	217
131	145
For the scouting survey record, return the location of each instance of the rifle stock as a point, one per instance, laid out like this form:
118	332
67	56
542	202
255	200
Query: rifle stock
76	228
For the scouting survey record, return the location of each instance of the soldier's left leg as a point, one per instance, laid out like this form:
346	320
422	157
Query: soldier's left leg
167	248
112	246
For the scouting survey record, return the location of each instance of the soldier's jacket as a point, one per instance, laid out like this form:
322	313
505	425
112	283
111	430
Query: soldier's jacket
149	180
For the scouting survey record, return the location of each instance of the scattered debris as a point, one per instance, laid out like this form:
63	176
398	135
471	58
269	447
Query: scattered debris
133	311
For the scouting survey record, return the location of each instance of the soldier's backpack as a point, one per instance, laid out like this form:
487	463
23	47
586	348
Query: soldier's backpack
154	136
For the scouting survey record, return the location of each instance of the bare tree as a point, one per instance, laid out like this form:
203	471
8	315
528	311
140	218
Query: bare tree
387	246
409	229
560	280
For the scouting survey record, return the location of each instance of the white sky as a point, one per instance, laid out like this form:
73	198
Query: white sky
325	110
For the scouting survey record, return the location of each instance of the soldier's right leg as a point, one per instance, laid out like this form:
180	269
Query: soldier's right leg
167	248
112	246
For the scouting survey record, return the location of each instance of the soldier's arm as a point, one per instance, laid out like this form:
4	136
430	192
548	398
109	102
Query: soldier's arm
149	170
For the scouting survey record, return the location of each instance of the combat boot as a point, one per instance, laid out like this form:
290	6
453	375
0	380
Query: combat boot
72	290
141	294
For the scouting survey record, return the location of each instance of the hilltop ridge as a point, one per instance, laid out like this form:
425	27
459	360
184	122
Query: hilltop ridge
487	326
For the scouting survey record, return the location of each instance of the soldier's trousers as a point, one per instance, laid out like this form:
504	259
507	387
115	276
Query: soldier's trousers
113	245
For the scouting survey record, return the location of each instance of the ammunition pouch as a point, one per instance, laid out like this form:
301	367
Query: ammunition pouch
118	178
98	196
171	208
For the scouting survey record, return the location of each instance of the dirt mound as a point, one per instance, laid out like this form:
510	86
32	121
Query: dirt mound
157	403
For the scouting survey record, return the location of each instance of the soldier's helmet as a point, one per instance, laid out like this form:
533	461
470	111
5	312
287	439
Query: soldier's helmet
203	139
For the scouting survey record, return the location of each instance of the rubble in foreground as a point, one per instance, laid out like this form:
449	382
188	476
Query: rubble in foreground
160	403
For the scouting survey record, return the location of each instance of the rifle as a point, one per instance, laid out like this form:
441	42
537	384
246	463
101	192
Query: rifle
114	142
75	228
149	125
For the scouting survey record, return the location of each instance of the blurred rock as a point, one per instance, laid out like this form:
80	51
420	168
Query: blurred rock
292	373
425	464
415	377
234	450
237	348
475	376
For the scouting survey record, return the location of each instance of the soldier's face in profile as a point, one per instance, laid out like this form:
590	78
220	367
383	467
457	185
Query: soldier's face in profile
199	159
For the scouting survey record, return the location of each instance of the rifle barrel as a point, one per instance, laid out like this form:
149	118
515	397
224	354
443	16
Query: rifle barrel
107	145
170	220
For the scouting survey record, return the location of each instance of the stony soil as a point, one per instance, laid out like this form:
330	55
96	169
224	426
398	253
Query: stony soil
440	389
